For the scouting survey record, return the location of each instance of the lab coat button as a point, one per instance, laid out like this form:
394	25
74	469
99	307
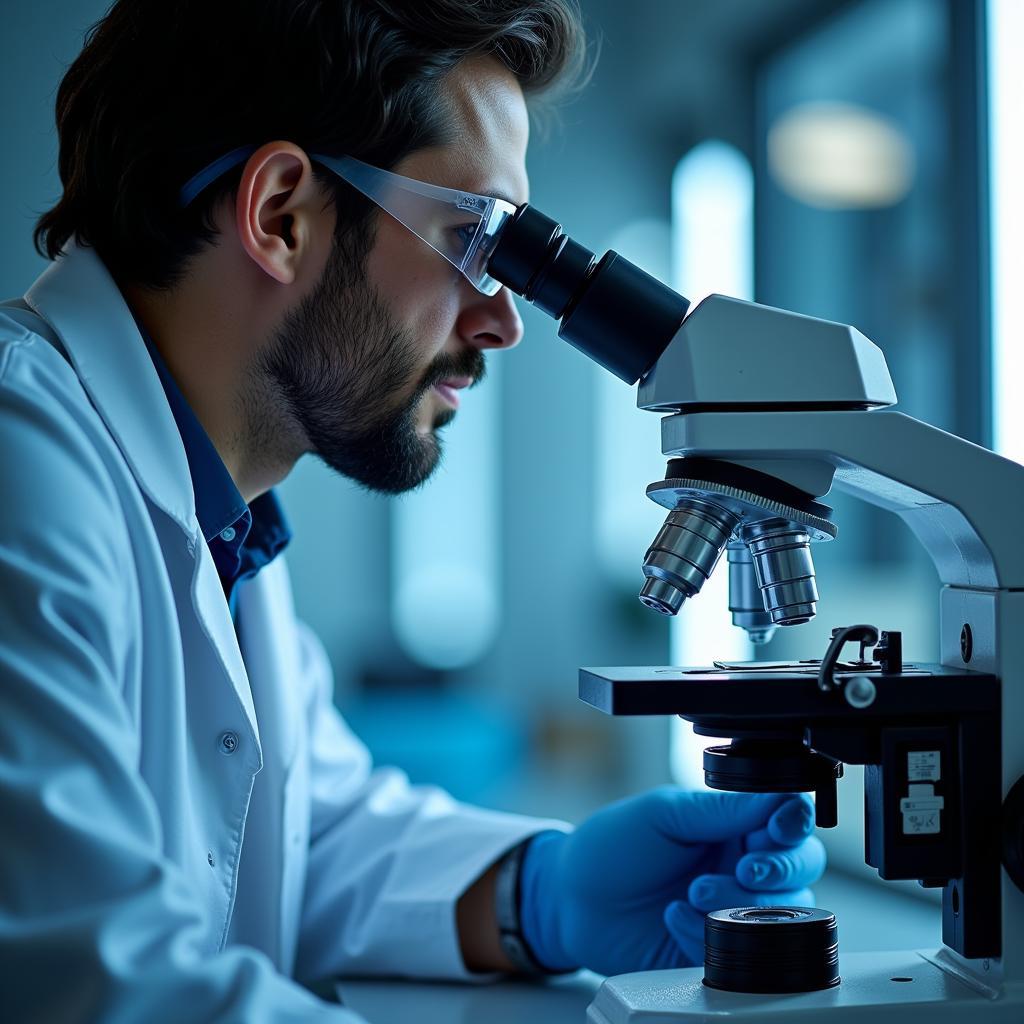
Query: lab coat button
227	534
209	857
228	742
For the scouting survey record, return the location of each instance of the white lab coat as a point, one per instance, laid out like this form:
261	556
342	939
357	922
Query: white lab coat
185	820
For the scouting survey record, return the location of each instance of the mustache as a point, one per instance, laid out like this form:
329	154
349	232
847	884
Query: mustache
469	363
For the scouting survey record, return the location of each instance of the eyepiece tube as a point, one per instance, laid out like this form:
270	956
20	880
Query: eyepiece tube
609	309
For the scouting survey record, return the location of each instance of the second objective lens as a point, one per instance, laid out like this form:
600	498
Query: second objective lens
781	552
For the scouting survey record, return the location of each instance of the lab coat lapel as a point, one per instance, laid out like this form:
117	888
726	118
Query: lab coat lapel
78	298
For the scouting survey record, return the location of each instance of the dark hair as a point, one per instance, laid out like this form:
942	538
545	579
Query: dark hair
162	88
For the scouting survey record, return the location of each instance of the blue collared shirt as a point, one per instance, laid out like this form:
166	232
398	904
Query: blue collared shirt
242	538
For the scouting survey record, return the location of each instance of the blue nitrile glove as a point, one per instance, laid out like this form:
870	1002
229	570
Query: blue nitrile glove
629	888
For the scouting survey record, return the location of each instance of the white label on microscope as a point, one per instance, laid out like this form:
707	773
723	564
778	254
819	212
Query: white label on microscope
923	766
922	811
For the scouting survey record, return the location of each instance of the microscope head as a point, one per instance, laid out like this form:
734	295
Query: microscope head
731	356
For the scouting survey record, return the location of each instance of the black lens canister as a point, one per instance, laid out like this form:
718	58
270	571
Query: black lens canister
771	949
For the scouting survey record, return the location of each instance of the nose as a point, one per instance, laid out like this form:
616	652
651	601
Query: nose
490	321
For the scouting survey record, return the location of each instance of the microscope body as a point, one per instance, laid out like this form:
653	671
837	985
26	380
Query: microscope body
766	411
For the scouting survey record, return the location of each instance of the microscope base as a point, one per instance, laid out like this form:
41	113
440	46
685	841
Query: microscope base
867	995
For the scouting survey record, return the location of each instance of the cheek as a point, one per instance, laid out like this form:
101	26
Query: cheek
418	286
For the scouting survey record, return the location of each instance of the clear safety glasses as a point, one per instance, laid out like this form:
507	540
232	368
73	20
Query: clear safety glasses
462	226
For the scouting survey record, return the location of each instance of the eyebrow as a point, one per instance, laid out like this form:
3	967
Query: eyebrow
497	193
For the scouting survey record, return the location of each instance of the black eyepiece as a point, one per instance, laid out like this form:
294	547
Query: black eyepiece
610	309
525	245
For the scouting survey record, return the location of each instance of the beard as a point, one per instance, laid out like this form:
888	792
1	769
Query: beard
350	382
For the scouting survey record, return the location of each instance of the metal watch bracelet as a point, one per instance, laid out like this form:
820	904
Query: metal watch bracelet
507	893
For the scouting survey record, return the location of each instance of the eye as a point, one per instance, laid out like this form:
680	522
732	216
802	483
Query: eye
465	233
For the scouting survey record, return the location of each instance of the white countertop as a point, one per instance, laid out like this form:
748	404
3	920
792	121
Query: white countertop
909	923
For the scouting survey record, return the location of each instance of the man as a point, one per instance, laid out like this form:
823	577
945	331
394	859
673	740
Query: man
189	829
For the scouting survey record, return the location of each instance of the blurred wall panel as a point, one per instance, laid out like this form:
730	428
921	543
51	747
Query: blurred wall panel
37	42
1006	80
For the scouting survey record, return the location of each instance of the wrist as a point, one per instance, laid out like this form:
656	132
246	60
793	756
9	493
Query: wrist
540	899
506	913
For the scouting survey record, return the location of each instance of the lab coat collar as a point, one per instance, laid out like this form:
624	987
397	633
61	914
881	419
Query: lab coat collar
77	296
80	300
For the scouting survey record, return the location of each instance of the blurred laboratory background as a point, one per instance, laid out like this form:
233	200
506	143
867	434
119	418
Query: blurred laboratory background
850	159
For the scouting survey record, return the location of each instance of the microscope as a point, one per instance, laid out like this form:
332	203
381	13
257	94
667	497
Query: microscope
764	412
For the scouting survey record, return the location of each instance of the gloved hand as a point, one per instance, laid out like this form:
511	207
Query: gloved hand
629	888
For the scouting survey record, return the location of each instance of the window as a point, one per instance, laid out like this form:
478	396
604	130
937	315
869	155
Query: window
445	544
712	252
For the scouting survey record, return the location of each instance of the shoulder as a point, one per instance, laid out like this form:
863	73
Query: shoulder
31	361
57	475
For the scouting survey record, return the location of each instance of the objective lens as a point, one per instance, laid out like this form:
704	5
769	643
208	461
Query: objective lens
745	601
685	553
781	553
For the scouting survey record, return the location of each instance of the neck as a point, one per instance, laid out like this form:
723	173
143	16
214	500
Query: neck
204	343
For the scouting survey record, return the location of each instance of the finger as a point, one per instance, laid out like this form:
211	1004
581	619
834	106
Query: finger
719	892
760	839
686	926
789	825
793	822
794	867
711	816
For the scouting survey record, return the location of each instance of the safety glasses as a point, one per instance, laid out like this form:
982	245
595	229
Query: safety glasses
462	226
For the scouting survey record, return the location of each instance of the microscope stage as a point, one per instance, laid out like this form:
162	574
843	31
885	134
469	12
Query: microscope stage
782	690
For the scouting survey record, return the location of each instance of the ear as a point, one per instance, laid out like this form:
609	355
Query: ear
279	209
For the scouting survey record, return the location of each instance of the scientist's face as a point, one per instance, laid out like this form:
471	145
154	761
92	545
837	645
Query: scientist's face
371	363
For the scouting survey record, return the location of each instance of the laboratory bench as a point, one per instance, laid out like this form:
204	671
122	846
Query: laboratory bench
871	915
